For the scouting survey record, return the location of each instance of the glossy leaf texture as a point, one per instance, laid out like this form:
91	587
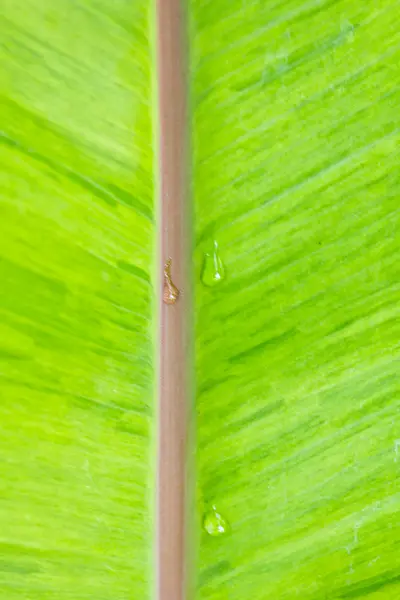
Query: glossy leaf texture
296	131
77	310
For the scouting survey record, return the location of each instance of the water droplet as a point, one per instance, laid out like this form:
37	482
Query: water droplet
214	523
171	292
213	271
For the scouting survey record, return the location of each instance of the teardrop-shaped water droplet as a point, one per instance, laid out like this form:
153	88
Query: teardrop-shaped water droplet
213	271
171	292
214	523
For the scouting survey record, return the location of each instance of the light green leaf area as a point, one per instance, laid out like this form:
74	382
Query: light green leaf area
76	300
297	177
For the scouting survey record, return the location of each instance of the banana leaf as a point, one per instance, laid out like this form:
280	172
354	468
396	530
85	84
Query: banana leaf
295	130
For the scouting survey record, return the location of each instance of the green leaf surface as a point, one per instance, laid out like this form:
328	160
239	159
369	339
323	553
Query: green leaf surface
77	236
296	132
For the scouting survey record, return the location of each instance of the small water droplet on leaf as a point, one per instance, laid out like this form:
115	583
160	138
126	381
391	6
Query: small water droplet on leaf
213	271
171	292
214	523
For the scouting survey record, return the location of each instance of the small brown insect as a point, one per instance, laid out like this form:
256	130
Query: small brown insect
171	292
